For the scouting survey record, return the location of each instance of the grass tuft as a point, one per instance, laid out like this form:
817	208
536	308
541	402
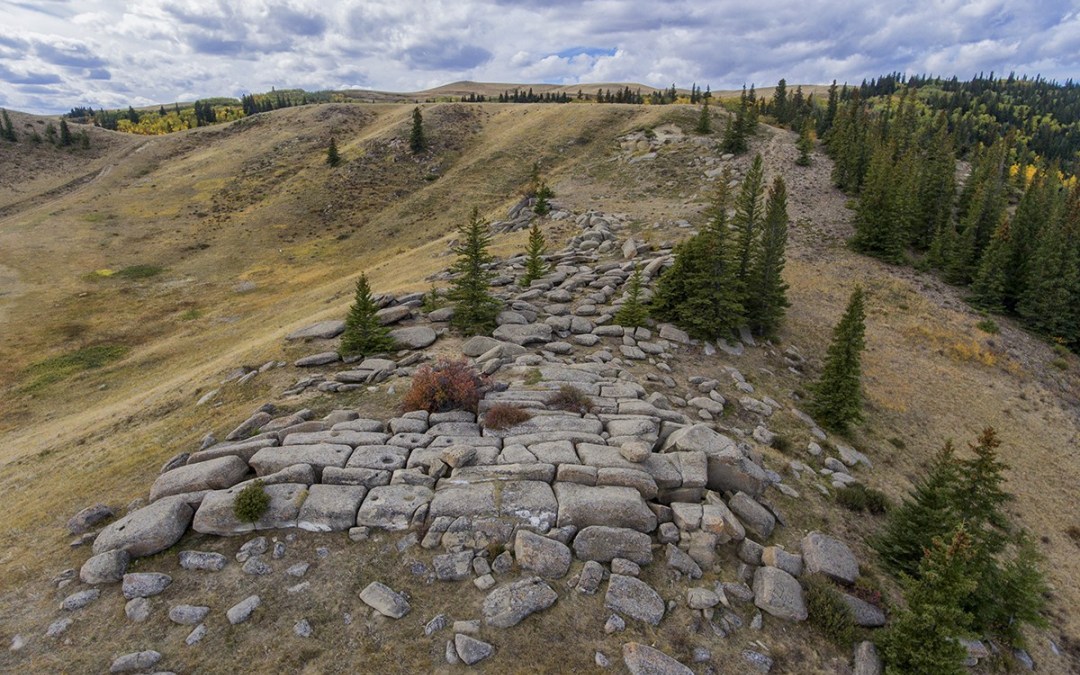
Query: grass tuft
62	366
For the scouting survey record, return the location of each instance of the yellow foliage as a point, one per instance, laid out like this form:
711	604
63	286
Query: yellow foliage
955	345
105	272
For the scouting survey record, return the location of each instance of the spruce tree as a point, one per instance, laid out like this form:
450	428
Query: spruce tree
535	267
922	637
766	296
475	308
805	144
417	141
704	123
1051	300
543	199
364	335
837	396
749	214
633	312
780	103
936	184
991	282
332	156
65	133
7	130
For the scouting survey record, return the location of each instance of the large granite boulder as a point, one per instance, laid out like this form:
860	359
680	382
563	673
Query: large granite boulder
215	474
614	506
603	544
508	605
216	514
149	530
779	594
829	556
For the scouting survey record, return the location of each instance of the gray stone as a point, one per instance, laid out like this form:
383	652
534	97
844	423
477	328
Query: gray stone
669	332
330	508
480	344
453	566
320	359
635	451
680	560
603	544
105	568
391	315
508	605
546	557
148	530
242	611
145	584
524	335
635	599
137	609
302	628
645	660
414	337
392	507
80	599
202	560
252	547
255	566
779	594
385	600
863	613
215	474
582	506
188	615
249	426
774	556
135	661
470	650
85	520
758	661
317	455
755	517
324	330
829	556
59	627
614	624
701	598
437	623
592	573
298	570
216	514
625	567
867	661
718	519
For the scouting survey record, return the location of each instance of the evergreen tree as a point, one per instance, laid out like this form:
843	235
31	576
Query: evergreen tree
805	144
936	184
704	123
848	145
749	215
65	133
779	105
50	132
700	292
886	206
837	396
417	142
921	639
475	308
633	312
831	106
332	156
928	513
991	282
364	335
766	297
535	267
543	199
7	130
1050	300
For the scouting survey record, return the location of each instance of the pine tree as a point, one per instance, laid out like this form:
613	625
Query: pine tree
936	184
749	213
332	156
921	639
1050	300
364	335
7	130
766	297
633	312
805	144
928	513
991	282
779	106
475	308
831	107
700	291
535	267
417	142
837	396
704	123
543	199
65	134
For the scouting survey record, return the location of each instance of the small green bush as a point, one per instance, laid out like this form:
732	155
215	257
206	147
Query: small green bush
989	326
858	497
503	416
252	502
897	442
828	613
135	272
570	399
533	377
781	443
1060	364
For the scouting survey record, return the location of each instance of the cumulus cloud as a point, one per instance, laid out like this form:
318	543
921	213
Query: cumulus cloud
58	53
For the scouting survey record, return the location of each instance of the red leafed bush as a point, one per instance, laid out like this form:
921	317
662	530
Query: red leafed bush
503	416
570	399
447	385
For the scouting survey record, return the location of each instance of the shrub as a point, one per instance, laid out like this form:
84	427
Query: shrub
988	326
447	385
533	376
897	442
139	272
858	497
570	399
252	502
828	613
781	443
504	416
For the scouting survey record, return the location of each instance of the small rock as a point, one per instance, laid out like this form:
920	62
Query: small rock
202	561
302	628
105	568
255	566
145	584
757	660
592	574
614	624
137	609
644	660
635	451
80	599
256	546
384	600
601	660
701	598
298	570
86	519
17	643
634	598
242	611
867	661
196	635
135	661
58	627
470	650
435	625
188	615
508	605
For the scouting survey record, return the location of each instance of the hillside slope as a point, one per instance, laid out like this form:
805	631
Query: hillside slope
255	235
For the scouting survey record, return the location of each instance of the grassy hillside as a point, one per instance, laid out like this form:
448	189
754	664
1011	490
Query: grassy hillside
127	297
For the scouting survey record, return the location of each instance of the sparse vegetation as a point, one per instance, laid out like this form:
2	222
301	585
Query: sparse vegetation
136	272
445	385
251	502
570	399
857	497
827	612
988	326
503	416
56	368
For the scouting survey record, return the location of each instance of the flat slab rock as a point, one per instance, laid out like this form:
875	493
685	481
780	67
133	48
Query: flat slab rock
330	508
215	474
510	604
317	455
385	600
634	598
392	507
324	330
645	660
613	506
216	516
149	530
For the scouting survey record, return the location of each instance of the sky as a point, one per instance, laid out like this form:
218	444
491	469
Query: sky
55	54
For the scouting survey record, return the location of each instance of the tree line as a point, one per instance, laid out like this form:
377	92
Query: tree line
60	136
